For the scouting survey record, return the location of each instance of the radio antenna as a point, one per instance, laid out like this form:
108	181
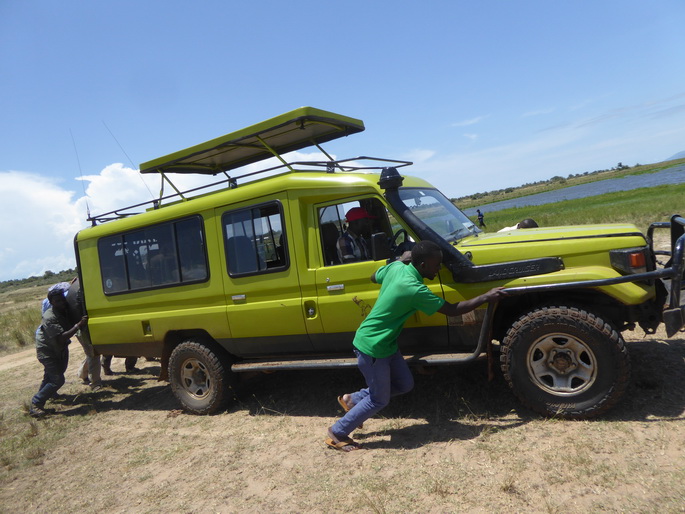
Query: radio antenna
85	195
129	159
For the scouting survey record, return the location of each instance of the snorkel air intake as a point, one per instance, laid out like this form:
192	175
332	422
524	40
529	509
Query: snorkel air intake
390	181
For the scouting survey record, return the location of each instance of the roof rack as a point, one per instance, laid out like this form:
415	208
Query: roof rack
294	130
333	166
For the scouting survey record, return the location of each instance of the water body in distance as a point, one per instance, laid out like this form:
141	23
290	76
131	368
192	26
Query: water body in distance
675	175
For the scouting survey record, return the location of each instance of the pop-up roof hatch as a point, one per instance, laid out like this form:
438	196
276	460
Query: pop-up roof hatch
288	132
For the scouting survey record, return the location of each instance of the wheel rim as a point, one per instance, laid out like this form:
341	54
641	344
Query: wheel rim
562	364
195	378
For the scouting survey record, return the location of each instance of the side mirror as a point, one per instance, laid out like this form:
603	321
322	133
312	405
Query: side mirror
380	248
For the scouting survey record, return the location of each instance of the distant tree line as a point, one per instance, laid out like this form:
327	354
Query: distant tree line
48	278
554	180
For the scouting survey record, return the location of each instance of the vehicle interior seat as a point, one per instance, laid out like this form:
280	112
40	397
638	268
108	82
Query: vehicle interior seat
329	238
242	255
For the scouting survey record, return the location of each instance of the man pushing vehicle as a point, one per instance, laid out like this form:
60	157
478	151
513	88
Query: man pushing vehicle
375	343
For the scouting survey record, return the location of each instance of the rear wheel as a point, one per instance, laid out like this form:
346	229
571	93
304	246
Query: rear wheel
200	377
565	362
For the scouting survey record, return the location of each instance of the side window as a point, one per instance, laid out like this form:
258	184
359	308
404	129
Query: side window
156	256
113	264
254	240
150	257
346	228
192	254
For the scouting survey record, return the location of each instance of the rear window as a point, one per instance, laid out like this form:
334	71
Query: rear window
161	255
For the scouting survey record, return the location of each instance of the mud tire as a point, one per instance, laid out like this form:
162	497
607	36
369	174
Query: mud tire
565	362
200	377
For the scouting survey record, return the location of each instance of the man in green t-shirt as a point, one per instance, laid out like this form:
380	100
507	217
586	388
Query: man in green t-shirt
375	343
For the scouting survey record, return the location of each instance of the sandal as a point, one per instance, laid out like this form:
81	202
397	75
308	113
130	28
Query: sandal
345	445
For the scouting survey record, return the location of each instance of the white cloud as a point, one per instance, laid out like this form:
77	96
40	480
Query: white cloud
466	123
117	186
539	112
41	218
419	155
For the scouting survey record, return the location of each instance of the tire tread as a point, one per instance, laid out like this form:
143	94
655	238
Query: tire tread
215	362
560	313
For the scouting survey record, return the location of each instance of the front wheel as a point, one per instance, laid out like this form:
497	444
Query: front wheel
565	362
200	377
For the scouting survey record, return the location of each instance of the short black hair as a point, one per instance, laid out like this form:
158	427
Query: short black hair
422	250
528	223
55	292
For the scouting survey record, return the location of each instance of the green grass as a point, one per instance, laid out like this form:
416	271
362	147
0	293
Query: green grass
25	441
638	206
20	315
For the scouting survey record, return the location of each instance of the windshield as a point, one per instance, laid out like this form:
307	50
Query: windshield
436	211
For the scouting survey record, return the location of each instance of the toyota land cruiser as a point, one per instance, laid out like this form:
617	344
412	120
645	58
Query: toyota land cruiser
245	275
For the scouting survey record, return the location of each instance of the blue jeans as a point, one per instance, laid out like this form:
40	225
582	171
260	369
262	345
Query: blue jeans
385	378
53	378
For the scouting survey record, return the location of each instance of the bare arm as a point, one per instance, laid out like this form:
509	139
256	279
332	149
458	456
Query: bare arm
454	309
405	257
65	336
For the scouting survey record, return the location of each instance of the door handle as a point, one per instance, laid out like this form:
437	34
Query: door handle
336	287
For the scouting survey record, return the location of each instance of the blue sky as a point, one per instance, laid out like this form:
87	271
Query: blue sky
481	95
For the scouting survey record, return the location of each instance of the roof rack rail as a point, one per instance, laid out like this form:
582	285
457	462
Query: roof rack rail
339	166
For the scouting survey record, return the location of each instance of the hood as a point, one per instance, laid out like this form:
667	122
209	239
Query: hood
549	234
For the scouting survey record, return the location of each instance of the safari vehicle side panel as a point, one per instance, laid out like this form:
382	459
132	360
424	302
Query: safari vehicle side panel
136	322
264	306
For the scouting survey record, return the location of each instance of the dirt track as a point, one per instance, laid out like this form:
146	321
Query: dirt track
455	444
17	359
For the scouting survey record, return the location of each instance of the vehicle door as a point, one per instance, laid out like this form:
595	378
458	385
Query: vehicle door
345	293
263	298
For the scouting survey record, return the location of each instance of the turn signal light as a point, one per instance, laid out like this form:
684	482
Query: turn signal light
637	260
630	260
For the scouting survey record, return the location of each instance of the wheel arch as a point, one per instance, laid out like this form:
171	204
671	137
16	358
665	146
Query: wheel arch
175	337
512	308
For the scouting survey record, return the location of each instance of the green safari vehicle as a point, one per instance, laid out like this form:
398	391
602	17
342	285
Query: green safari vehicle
244	275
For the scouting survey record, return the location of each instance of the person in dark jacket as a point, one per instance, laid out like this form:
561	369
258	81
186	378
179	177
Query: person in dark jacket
52	347
481	219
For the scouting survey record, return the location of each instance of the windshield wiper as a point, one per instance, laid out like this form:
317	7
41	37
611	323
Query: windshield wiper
468	229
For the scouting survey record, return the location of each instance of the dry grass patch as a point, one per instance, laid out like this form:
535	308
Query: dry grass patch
457	443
